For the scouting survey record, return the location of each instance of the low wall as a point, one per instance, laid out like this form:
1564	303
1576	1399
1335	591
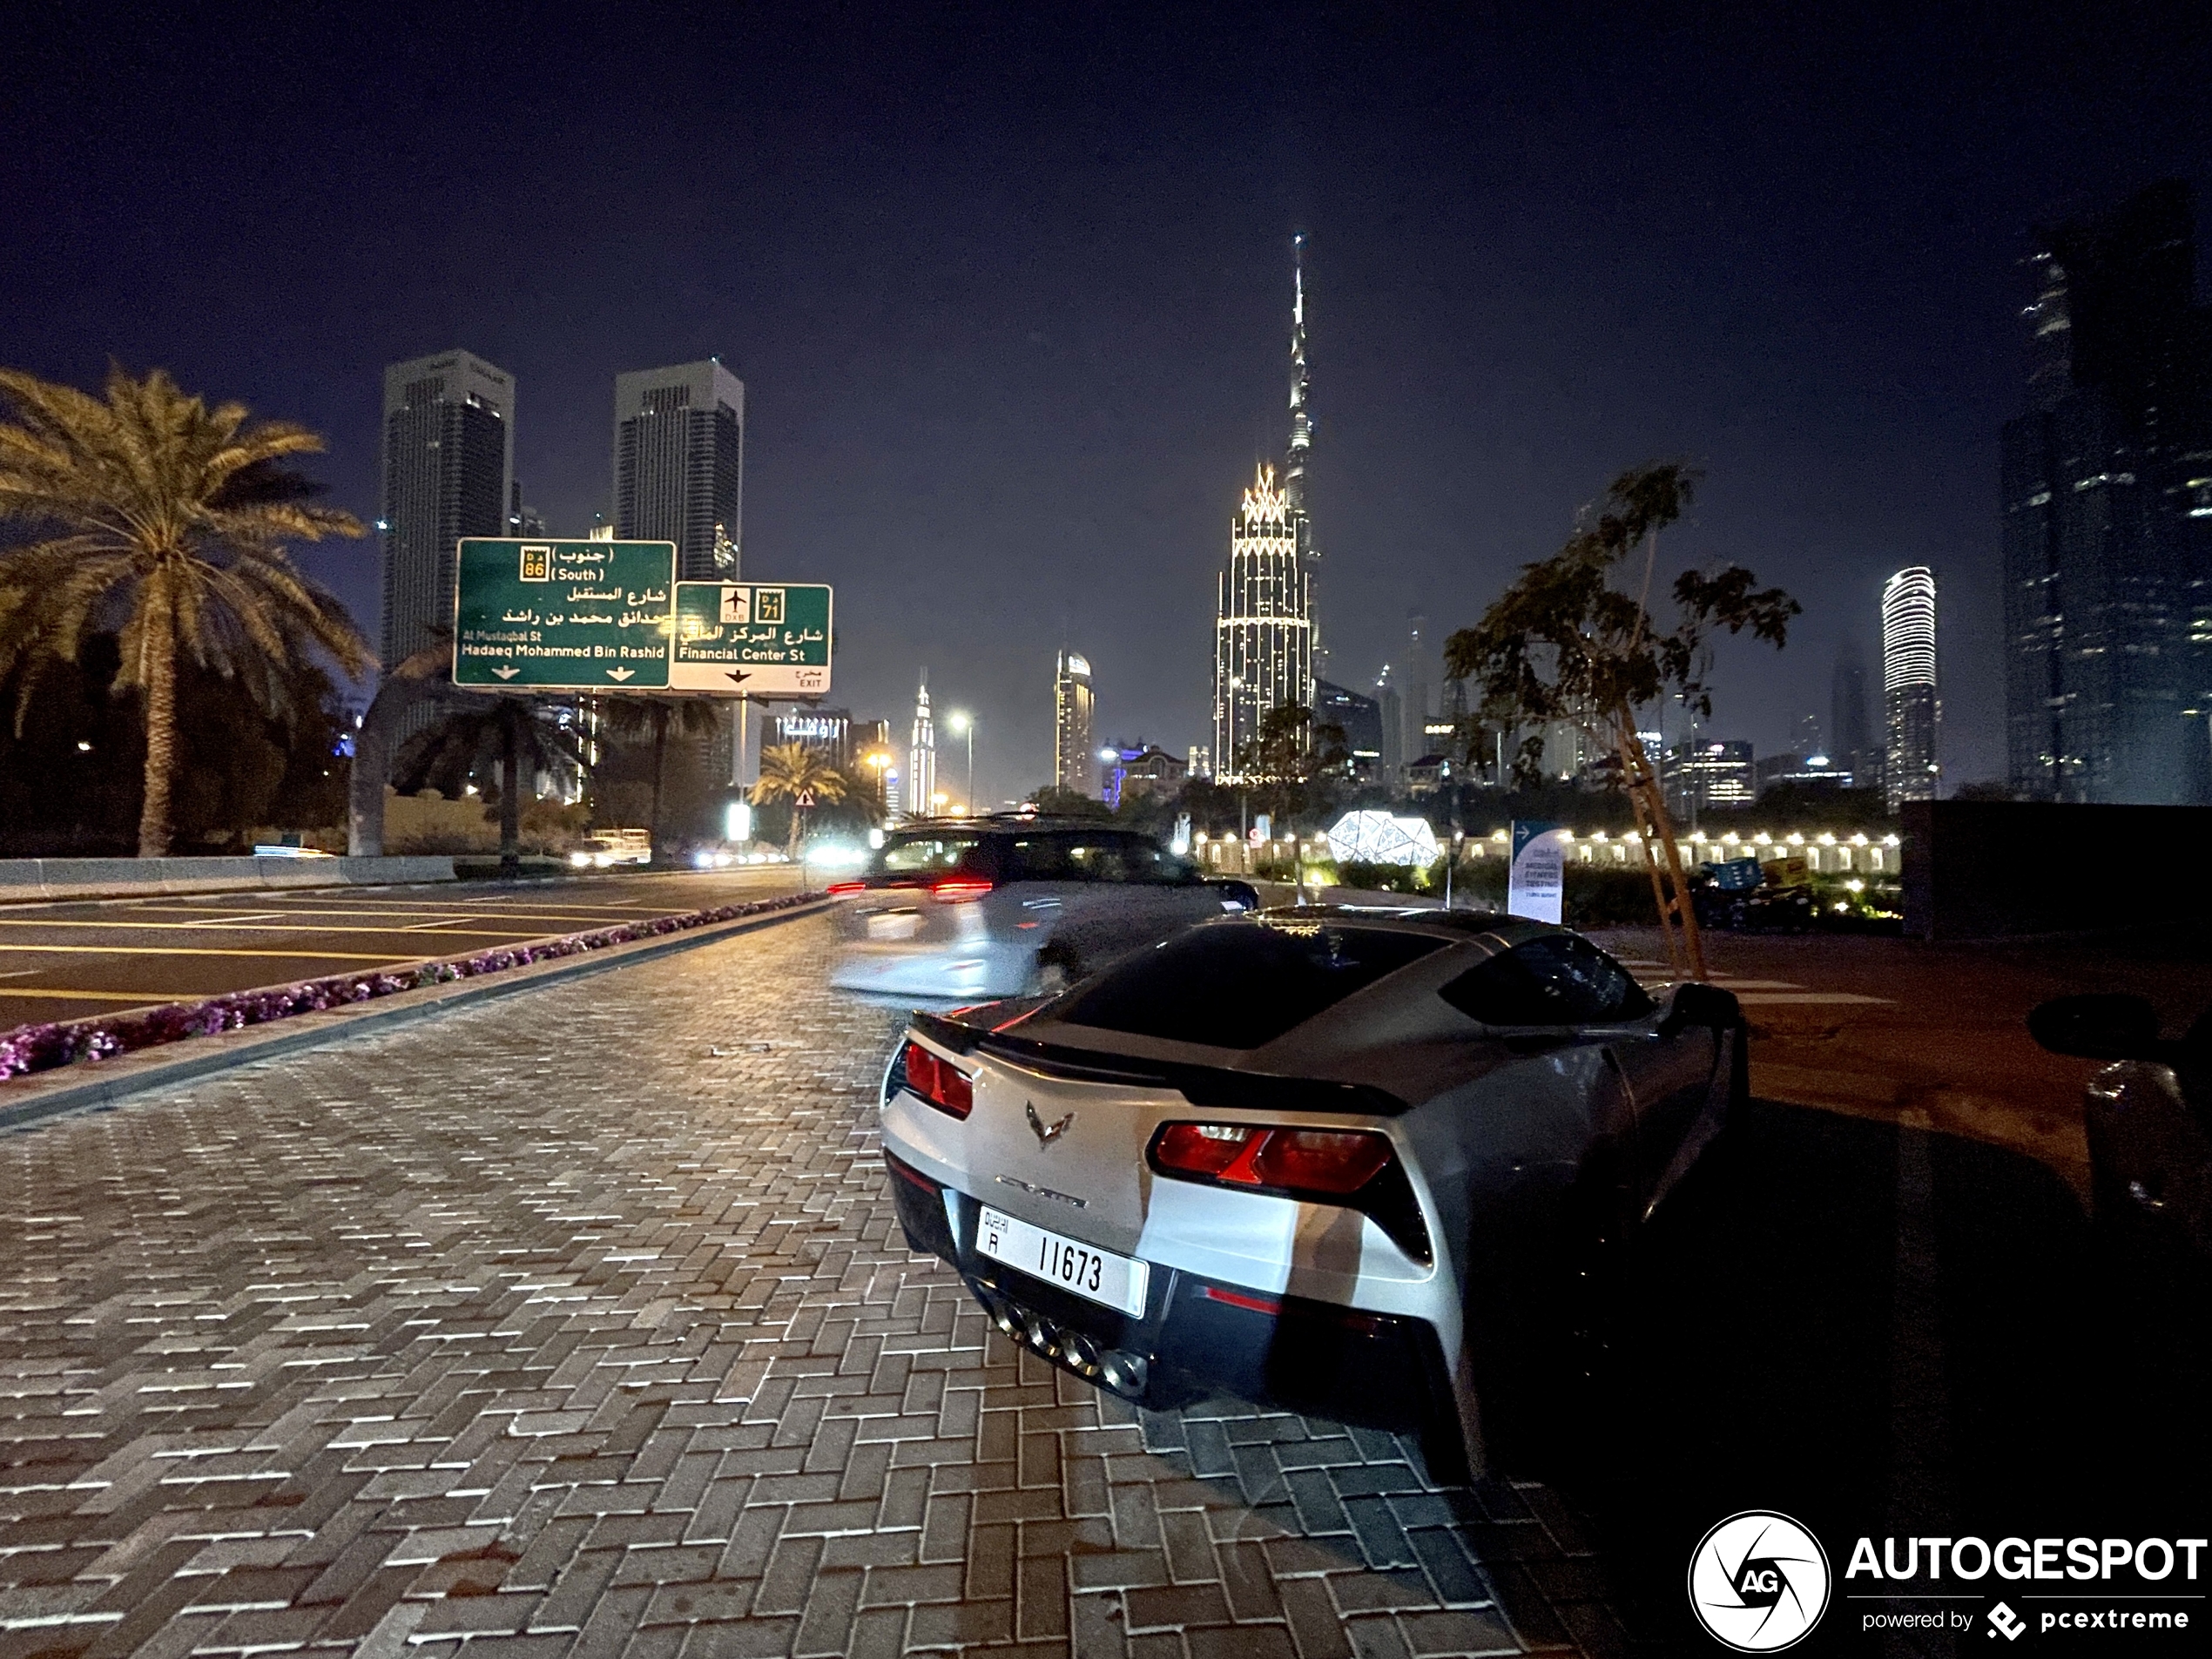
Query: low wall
1986	869
23	879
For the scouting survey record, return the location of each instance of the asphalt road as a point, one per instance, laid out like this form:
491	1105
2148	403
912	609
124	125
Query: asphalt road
66	961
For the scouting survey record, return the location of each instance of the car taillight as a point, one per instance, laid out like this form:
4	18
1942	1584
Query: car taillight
839	889
938	1082
1320	1163
958	892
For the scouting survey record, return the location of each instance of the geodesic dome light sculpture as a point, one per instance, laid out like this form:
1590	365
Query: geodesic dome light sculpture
1377	837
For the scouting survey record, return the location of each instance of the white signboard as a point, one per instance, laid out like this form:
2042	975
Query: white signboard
1535	885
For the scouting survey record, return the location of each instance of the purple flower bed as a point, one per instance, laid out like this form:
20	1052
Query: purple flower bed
41	1048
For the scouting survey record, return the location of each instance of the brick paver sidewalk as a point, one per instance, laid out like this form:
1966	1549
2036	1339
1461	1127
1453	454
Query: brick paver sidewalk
580	1324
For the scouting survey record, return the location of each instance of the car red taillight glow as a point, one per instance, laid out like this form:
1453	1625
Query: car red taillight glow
839	889
1320	1163
958	892
938	1082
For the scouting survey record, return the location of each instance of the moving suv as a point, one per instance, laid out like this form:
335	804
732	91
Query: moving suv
999	906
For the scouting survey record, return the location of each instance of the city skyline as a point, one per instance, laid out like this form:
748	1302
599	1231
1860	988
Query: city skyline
1516	308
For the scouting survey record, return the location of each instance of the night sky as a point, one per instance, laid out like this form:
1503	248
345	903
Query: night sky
1009	290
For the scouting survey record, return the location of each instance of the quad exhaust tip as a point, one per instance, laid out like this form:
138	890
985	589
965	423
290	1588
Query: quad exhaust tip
1110	1368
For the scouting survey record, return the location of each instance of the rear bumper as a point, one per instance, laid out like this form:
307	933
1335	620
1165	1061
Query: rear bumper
965	969
1198	1337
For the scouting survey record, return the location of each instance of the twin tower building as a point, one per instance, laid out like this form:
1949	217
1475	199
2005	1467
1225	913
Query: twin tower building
449	471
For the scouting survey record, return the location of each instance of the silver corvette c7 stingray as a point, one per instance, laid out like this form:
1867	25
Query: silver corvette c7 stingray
1373	1164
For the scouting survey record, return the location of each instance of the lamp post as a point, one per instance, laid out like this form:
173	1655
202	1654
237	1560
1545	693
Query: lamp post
964	723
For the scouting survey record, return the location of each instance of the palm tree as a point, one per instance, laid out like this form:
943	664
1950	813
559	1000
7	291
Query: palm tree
517	735
686	716
798	773
164	521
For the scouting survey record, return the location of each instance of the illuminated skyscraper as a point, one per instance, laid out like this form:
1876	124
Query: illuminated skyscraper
1301	442
679	465
1073	764
449	455
1909	770
2107	514
1264	628
1266	639
921	782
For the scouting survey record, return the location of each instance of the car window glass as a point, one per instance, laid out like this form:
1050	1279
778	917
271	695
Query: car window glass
1143	861
1099	858
923	855
1558	979
1042	858
1238	984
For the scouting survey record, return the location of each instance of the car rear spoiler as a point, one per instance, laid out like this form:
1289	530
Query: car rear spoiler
1215	1086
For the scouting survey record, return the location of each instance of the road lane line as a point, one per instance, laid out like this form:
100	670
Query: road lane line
262	928
151	999
185	950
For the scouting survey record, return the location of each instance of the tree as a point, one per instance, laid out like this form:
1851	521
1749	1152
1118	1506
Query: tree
164	520
1561	645
1289	757
797	772
687	717
501	731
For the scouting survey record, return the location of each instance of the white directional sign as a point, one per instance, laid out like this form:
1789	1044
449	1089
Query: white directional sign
751	639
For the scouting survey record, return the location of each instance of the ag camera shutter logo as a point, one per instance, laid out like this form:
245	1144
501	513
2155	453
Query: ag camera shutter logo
1759	1582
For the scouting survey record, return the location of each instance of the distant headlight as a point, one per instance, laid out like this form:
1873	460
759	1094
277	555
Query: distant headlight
580	859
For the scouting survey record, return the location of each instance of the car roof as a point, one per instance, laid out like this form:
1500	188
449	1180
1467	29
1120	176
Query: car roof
1455	925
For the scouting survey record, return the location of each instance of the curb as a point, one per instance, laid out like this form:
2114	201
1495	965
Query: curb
33	1100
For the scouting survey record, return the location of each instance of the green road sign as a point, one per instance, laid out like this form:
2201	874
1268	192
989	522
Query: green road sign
751	639
564	616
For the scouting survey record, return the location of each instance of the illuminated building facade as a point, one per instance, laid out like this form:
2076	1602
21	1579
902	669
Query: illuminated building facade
1072	702
449	468
828	732
679	465
1909	700
2108	515
1266	642
1262	629
920	781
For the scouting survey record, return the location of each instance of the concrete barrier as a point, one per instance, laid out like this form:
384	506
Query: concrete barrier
26	880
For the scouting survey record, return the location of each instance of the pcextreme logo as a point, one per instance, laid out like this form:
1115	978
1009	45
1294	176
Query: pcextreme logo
1759	1582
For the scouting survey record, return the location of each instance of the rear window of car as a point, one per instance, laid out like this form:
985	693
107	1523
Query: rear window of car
1556	978
1077	855
1239	985
929	854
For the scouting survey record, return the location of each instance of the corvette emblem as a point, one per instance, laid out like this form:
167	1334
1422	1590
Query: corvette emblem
1047	1136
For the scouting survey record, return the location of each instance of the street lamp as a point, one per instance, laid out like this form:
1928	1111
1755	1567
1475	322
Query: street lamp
964	723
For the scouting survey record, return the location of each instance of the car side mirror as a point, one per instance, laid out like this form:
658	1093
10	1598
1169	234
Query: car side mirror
2106	1027
1699	1004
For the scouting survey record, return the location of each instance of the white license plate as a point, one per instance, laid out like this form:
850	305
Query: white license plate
895	924
1093	1274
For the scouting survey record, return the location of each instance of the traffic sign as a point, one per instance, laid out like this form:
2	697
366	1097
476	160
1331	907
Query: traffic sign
751	639
538	614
